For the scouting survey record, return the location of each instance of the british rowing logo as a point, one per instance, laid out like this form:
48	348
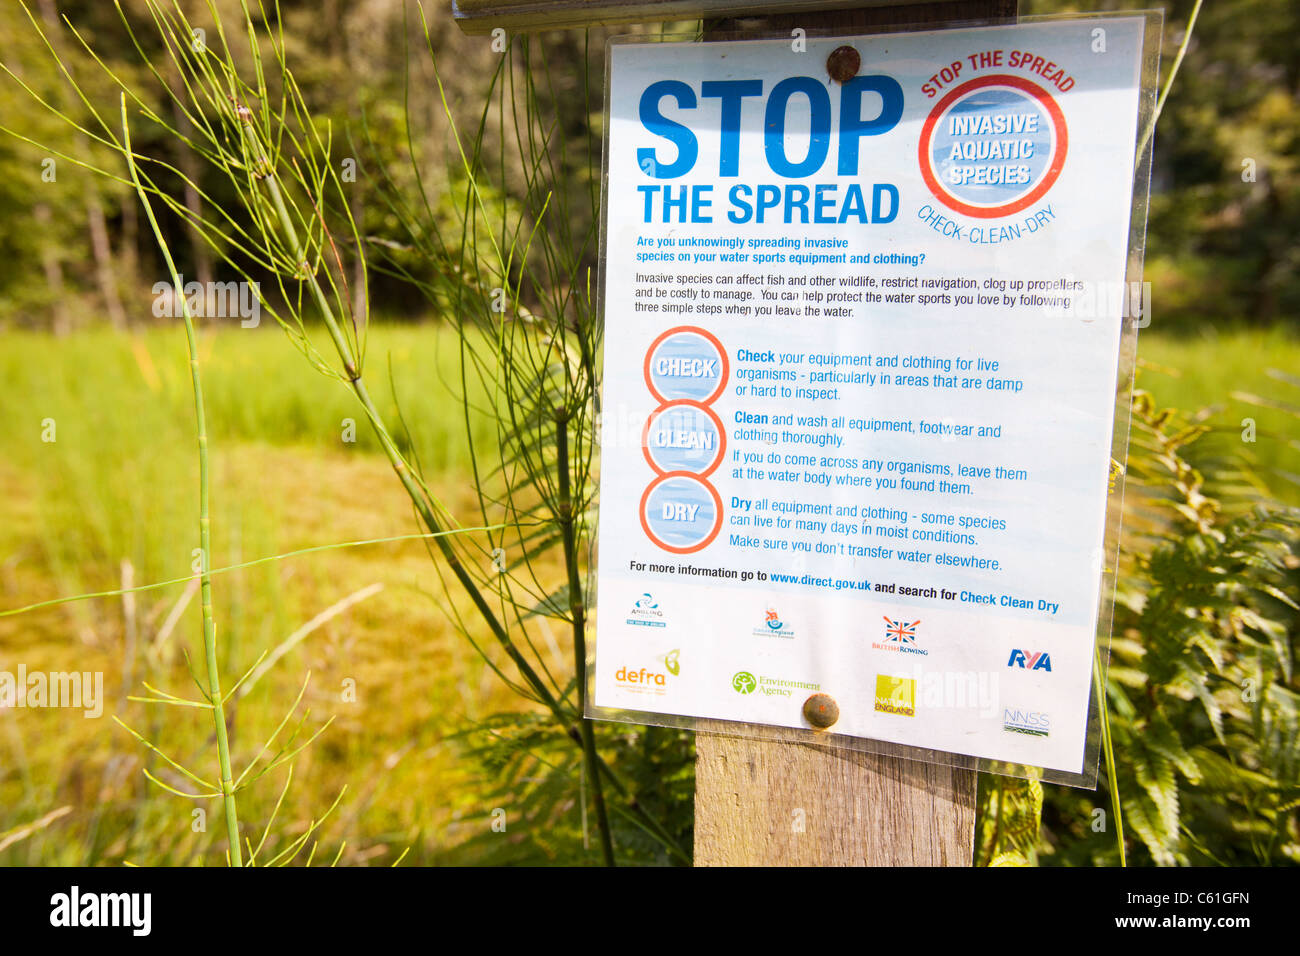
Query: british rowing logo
900	637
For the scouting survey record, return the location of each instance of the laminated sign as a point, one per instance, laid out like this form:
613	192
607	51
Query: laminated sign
861	364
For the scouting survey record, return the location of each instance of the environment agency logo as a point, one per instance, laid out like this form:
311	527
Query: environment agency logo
773	626
745	683
646	612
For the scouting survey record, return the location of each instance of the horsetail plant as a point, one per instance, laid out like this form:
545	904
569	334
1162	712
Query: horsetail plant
538	374
216	703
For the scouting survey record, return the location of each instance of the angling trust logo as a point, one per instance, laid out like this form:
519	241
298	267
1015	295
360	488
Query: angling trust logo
646	612
77	690
133	911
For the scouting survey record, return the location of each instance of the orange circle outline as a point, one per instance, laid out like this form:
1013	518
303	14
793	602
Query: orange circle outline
645	497
1049	177
703	333
722	437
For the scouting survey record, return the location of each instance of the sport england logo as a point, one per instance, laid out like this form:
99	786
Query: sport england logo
645	612
896	695
773	626
1031	661
900	637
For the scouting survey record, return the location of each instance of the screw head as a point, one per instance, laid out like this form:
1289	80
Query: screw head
821	711
843	64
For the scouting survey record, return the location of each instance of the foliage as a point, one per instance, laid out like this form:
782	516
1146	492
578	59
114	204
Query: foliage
1202	685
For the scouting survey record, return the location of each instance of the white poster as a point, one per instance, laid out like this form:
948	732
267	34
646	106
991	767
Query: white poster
861	345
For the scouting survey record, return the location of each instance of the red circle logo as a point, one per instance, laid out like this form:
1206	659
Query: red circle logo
1046	178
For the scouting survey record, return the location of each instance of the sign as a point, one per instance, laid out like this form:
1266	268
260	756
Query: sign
861	348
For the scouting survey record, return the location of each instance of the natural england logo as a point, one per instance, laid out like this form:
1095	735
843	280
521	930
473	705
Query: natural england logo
646	613
773	626
896	695
900	637
82	691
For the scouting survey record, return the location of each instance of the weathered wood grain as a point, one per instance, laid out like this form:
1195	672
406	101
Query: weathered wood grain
764	802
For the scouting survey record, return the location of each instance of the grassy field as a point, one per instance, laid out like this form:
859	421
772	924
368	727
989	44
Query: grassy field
111	500
1220	373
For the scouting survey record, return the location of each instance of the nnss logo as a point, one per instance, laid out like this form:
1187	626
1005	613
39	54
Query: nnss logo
131	910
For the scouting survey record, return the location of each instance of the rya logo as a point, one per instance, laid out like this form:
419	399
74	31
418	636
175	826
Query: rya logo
1037	661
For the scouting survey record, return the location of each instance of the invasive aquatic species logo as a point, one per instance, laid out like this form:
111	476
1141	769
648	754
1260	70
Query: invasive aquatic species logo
896	695
1030	661
900	637
646	613
773	626
743	682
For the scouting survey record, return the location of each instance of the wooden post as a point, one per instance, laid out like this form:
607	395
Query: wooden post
762	802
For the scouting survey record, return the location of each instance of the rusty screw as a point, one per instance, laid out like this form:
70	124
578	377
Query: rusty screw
843	64
821	711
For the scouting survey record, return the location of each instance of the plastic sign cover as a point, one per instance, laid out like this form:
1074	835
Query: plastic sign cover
861	346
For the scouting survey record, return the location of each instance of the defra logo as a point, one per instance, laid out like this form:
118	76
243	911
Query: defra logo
1031	660
647	681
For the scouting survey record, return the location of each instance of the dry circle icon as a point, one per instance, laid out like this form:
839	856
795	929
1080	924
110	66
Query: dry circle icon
681	512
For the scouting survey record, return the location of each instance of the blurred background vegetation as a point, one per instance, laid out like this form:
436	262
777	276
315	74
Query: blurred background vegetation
424	755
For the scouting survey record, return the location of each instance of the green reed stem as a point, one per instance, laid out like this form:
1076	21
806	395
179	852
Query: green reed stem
1169	81
205	536
578	609
1108	748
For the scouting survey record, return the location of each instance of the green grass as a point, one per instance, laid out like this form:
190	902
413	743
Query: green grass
1215	371
119	483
